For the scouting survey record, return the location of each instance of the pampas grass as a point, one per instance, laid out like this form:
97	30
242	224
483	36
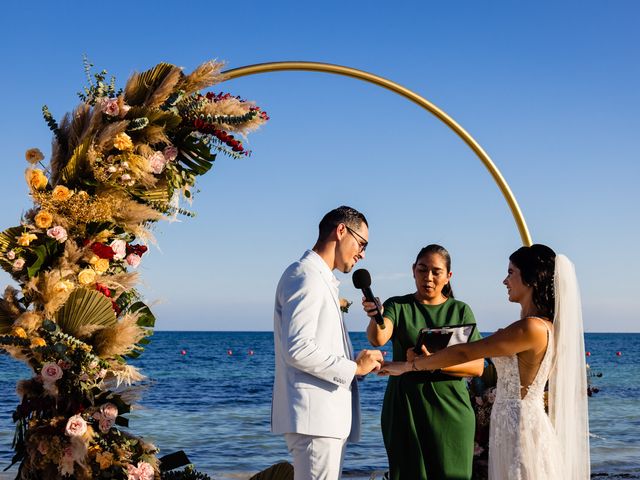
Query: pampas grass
119	339
204	76
123	374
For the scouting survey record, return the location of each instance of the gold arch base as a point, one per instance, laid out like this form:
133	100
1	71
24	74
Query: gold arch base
410	95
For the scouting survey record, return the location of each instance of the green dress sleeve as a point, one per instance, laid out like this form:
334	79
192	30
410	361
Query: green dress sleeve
468	317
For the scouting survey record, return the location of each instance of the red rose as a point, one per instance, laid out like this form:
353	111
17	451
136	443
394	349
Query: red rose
103	289
137	249
102	250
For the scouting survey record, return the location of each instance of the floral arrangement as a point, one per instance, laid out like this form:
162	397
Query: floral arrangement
121	161
482	391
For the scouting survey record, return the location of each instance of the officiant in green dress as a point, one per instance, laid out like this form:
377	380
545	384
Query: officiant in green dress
428	424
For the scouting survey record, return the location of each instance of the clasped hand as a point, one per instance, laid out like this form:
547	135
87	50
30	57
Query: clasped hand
398	368
369	361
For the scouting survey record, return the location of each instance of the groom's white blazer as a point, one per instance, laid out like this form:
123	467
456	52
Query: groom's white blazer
315	391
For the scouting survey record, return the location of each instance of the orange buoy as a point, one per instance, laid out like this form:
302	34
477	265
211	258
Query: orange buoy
619	354
229	352
250	352
183	352
588	354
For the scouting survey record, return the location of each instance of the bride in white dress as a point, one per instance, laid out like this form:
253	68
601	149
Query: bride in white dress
545	345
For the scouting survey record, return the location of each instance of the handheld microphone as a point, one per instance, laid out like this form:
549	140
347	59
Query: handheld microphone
362	280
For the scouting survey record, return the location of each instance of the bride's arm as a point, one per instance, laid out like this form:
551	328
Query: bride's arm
525	334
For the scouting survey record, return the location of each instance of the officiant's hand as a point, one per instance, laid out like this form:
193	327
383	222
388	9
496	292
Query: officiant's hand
372	308
411	355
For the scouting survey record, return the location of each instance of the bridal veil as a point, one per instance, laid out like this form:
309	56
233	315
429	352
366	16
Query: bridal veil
568	409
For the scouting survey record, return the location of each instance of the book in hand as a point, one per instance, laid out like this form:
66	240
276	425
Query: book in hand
438	338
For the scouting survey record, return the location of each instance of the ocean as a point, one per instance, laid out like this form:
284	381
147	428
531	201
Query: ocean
209	394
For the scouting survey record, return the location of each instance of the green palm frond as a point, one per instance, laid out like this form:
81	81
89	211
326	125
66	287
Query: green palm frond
140	85
164	118
85	307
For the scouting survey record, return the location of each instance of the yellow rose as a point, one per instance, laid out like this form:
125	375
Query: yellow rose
26	238
87	276
123	142
63	286
43	219
33	155
101	266
36	179
38	342
61	193
19	332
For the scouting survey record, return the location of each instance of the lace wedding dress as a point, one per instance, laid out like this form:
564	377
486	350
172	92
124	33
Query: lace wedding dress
523	444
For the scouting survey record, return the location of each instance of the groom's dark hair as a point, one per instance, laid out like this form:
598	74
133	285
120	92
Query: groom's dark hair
351	217
537	267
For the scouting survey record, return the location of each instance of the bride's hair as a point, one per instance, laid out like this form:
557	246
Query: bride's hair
537	264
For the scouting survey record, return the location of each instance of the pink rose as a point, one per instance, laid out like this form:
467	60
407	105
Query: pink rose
110	106
109	410
11	255
133	260
51	372
18	264
143	471
119	248
170	153
76	426
58	232
105	424
157	161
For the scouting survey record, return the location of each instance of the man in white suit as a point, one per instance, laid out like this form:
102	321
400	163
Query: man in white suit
315	393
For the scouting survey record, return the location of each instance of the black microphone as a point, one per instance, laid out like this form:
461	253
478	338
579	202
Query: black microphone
362	280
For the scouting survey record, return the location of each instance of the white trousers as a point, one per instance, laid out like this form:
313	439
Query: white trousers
316	458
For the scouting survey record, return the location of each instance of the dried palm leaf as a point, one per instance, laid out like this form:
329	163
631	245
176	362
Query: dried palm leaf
141	86
107	134
157	97
85	307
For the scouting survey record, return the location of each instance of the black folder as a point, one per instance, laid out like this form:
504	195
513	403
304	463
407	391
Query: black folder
438	338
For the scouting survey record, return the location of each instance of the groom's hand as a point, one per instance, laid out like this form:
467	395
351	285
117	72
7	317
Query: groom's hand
369	361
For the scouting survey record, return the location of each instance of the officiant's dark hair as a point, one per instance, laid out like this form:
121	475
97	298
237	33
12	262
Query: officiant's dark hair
447	291
537	266
351	217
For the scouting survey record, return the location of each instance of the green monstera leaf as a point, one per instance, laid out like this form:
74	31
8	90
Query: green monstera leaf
83	308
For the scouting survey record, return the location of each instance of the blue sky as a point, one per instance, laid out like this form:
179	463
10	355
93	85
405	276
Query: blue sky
549	89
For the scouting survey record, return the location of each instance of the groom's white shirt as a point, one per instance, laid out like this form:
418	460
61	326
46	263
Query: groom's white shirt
315	391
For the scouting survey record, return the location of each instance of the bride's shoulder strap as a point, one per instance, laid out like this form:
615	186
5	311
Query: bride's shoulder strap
541	320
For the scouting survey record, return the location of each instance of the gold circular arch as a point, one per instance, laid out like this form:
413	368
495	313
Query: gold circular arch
415	98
